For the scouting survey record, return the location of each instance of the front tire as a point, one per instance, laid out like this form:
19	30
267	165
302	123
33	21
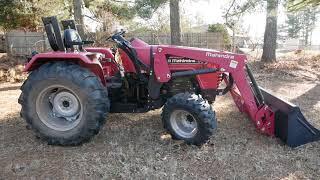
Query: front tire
64	103
190	118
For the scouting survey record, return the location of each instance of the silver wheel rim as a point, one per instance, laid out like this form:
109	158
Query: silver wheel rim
59	108
183	123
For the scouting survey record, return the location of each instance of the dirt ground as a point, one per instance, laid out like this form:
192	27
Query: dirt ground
135	146
11	68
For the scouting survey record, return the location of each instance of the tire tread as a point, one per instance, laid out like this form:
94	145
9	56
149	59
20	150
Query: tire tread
201	108
98	99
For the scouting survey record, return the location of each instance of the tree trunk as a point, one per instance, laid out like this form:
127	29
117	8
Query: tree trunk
270	34
78	16
306	37
175	22
311	34
233	39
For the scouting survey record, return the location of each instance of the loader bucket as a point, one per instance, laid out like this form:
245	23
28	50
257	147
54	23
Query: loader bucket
290	124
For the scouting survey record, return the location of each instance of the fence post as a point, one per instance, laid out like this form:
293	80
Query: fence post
153	39
7	45
207	39
26	40
44	43
187	39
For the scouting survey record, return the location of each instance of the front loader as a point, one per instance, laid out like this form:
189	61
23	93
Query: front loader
70	91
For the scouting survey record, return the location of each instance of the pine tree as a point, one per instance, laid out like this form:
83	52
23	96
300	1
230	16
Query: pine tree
270	34
175	22
301	24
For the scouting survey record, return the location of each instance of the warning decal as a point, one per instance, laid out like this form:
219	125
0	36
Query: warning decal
233	64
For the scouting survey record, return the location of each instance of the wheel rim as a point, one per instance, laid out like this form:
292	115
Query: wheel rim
59	108
183	123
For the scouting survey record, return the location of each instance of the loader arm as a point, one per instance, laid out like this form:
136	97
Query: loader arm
285	121
234	64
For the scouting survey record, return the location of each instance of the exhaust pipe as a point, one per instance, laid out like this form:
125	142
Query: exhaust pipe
290	124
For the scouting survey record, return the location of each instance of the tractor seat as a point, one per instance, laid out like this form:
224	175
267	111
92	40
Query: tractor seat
72	40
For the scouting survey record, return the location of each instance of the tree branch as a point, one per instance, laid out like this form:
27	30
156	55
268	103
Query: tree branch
119	1
227	13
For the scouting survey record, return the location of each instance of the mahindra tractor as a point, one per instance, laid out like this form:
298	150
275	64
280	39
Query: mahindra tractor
71	90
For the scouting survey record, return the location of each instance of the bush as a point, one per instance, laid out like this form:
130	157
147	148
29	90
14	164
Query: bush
220	28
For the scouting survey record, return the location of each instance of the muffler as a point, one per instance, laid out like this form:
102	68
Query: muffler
290	124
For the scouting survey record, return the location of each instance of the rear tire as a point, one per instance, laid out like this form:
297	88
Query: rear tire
190	118
64	103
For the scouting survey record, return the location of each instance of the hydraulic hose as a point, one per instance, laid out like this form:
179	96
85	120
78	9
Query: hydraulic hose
256	89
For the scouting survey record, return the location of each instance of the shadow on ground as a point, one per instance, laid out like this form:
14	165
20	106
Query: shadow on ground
131	145
136	146
9	88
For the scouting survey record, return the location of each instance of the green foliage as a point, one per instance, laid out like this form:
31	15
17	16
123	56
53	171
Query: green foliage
158	25
8	10
110	11
220	28
145	8
121	10
295	5
124	9
294	25
301	23
27	14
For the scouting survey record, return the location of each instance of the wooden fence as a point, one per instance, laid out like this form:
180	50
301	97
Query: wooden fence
201	40
20	43
2	43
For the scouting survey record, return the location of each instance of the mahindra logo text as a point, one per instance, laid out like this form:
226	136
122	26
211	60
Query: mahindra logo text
216	55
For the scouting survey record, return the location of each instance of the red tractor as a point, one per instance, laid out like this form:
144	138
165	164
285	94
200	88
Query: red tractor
70	91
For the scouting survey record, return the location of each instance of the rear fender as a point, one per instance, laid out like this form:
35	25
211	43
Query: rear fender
83	59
